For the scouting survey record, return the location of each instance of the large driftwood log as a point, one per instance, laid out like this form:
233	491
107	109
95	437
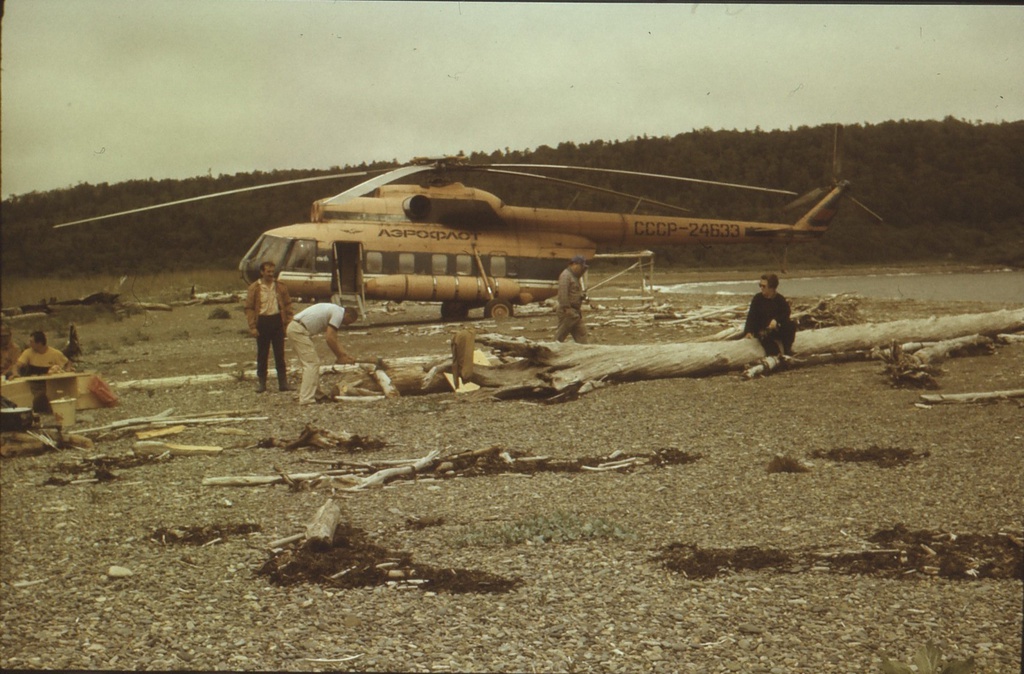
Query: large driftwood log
564	365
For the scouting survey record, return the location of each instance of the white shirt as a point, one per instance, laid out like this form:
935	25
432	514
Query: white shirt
317	317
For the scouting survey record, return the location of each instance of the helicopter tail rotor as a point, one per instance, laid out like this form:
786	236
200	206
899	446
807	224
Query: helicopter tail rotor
867	210
835	182
837	160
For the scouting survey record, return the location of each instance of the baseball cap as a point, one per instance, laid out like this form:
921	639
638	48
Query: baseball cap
579	259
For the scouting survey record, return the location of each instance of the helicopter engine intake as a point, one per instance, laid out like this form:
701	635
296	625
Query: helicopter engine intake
417	207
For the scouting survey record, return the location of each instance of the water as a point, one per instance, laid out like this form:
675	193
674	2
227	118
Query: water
1006	286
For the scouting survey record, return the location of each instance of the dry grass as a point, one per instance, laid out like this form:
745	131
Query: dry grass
164	286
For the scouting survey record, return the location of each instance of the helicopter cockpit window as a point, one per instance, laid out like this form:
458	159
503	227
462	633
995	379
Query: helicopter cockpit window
464	265
406	263
302	255
268	249
439	264
374	263
498	266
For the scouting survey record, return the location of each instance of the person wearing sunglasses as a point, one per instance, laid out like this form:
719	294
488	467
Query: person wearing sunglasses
768	319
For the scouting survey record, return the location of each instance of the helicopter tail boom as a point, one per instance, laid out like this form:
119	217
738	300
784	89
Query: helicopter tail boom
822	213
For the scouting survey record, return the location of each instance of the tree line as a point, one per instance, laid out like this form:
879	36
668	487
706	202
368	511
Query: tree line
948	190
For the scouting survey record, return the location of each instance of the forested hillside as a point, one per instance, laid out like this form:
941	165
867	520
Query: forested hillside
949	191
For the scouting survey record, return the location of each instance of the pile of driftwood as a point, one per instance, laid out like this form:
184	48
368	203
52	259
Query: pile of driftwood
828	312
40	441
353	476
152	432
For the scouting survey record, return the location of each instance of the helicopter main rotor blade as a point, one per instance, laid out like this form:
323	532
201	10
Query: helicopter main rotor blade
650	175
372	184
212	196
867	210
573	183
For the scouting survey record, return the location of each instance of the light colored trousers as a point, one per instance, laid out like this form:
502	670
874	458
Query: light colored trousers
302	342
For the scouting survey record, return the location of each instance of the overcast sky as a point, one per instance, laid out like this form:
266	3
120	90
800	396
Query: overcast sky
110	90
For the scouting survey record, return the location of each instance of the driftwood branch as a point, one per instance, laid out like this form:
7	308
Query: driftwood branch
166	418
382	476
939	351
284	478
354	482
157	448
985	397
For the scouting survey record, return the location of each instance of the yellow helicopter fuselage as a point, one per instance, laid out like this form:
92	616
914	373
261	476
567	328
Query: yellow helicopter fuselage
463	247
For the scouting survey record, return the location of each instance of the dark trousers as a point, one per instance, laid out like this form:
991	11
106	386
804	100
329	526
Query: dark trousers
270	333
784	335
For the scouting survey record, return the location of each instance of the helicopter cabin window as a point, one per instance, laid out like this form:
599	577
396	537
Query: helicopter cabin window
302	255
439	264
406	263
498	266
374	263
464	265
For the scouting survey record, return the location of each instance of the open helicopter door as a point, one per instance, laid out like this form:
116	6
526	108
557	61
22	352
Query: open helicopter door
348	274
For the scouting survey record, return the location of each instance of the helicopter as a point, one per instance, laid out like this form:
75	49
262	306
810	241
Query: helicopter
439	240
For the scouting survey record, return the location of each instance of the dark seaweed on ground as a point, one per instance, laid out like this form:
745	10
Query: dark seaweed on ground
903	554
353	562
886	457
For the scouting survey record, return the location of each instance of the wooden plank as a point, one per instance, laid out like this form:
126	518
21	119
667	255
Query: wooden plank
156	448
170	430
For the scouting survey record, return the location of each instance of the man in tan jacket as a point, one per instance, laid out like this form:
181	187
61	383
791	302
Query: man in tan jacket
268	309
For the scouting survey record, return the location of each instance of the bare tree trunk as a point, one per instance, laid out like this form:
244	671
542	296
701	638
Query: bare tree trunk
564	365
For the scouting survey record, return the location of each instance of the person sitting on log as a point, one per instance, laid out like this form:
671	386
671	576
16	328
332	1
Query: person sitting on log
768	319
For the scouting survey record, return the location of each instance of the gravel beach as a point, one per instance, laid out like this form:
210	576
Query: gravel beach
592	564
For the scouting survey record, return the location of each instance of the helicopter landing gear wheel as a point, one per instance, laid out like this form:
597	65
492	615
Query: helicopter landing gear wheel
454	311
498	309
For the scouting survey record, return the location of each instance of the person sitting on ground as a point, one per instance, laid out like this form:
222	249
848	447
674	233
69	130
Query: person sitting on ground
39	359
768	319
9	353
325	318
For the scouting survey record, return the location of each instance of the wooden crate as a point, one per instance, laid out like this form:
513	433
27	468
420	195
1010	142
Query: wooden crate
64	385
